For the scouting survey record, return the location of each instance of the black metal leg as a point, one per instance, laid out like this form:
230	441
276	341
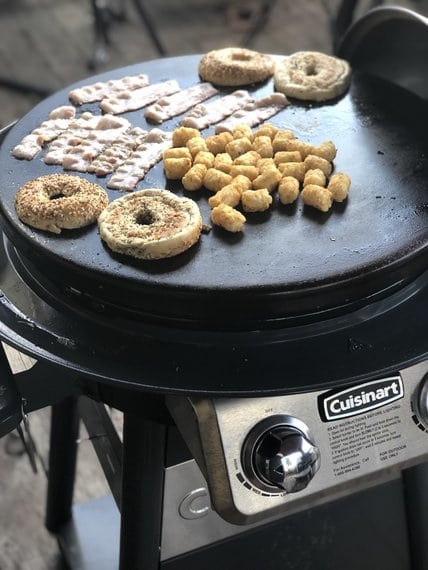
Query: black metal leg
10	398
144	445
62	463
416	500
151	30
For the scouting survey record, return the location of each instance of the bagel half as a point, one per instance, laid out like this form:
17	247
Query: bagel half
56	201
234	66
150	224
312	76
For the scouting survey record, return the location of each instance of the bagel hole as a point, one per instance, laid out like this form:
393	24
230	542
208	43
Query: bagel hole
311	70
145	218
57	196
241	57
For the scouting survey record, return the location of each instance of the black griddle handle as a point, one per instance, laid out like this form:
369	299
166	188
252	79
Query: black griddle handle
10	398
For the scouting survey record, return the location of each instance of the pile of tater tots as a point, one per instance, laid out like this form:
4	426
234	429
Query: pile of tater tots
243	168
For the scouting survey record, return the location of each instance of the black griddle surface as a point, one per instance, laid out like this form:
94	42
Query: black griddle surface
290	260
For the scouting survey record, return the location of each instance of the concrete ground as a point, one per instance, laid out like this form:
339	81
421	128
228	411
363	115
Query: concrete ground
48	44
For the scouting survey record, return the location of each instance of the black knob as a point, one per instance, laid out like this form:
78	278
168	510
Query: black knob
284	458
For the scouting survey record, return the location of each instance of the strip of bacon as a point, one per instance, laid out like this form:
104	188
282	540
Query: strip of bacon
80	156
72	136
59	120
99	130
132	100
63	112
255	112
206	114
100	90
116	154
174	105
146	155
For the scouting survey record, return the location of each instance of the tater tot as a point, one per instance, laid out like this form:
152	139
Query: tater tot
196	144
268	130
313	162
317	197
178	152
314	176
229	195
217	143
339	185
295	144
241	182
215	180
284	134
263	145
250	172
325	150
228	218
268	179
264	163
176	168
295	169
256	200
181	135
204	157
241	131
250	158
287	156
279	140
238	147
223	162
288	190
194	177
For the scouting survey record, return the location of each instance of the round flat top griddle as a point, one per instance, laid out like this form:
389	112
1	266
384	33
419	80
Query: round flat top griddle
291	260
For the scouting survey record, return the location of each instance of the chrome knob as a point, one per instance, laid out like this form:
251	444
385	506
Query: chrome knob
286	459
422	402
282	458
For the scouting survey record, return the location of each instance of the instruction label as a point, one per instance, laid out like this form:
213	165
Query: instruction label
376	436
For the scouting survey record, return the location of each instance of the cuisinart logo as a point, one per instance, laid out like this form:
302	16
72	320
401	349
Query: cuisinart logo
336	405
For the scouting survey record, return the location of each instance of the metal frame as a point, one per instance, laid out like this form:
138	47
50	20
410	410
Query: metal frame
135	472
136	479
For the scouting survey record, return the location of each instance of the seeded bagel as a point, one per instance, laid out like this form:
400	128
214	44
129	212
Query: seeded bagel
150	224
235	66
56	201
312	76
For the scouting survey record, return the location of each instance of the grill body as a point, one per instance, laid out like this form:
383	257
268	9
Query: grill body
283	344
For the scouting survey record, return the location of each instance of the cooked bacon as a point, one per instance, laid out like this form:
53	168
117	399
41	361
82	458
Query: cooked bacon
59	120
146	155
116	154
28	147
131	100
206	114
173	105
63	112
86	137
79	156
100	90
254	112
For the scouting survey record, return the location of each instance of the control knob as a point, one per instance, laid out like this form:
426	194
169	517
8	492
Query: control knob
282	458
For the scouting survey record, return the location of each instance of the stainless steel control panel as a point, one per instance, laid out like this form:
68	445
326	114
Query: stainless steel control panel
271	455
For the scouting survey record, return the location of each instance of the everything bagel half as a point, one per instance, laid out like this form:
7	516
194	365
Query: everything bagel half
150	224
312	76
